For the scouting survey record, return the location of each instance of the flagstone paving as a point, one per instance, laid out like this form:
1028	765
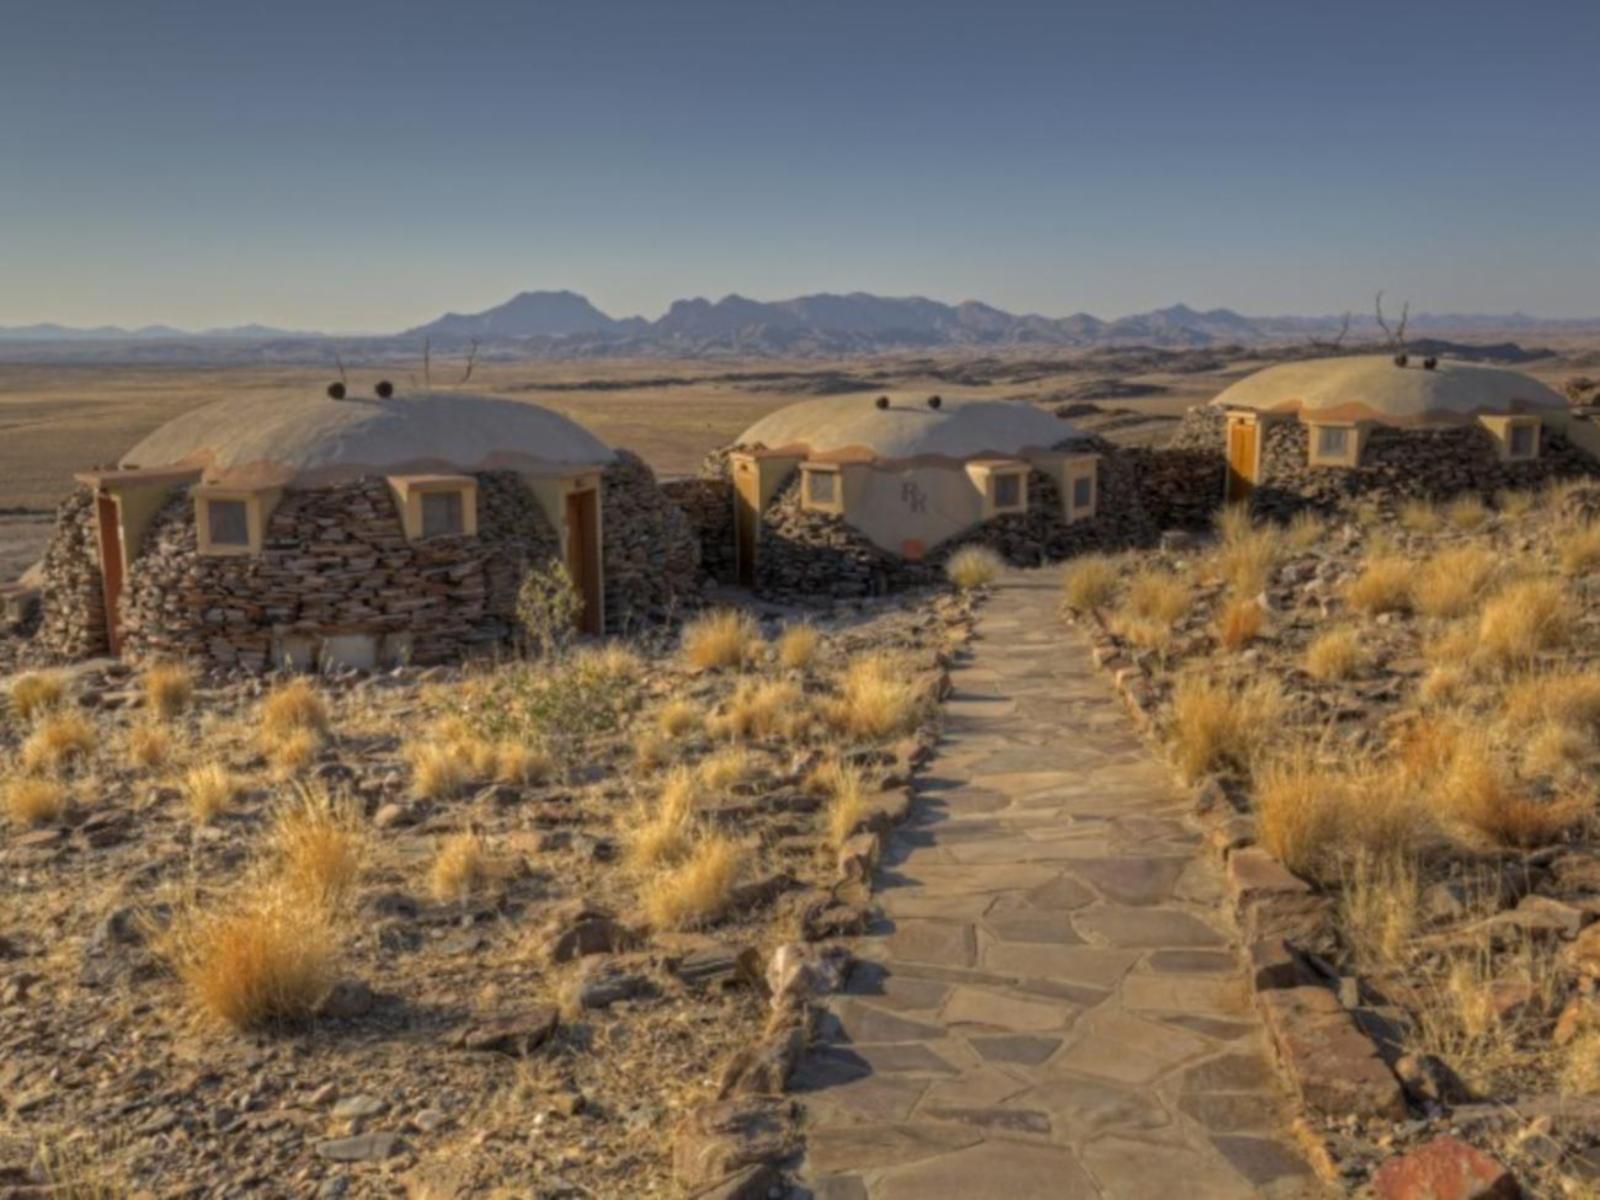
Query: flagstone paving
1052	1006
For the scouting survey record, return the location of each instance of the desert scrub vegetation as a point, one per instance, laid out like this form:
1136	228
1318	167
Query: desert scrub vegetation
797	646
878	697
58	740
293	707
1578	549
1450	583
31	802
562	704
1334	655
1246	552
722	640
844	789
1241	622
168	689
1217	725
1384	585
1089	583
149	746
973	567
208	790
37	692
316	845
1522	620
462	867
694	891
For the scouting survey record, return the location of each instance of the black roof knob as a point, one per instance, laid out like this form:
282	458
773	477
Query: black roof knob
882	402
935	401
1430	362
336	391
385	389
1401	360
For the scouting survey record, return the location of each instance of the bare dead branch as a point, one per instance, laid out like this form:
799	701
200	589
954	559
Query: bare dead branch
427	364
1335	343
472	361
1397	336
339	361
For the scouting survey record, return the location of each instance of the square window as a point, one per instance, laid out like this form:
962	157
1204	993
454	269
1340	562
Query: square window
441	514
1333	442
822	487
1082	493
229	521
1524	440
1007	491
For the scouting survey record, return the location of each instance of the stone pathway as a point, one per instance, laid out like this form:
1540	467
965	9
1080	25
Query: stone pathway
1052	1007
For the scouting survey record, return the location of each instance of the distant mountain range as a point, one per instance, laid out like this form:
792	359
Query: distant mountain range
564	324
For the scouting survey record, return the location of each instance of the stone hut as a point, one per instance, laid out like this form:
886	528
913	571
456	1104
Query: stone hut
858	494
1319	432
364	531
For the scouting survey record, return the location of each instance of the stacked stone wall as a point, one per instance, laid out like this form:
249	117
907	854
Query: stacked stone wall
651	550
72	594
707	503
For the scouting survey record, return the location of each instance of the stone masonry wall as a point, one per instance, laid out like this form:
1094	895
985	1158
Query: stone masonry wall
651	551
708	505
72	597
336	560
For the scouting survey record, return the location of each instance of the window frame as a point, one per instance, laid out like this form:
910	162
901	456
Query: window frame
409	491
258	505
809	472
997	507
1350	456
1076	470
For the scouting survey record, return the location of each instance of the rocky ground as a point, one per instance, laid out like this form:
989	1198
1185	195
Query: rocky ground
1402	705
525	1025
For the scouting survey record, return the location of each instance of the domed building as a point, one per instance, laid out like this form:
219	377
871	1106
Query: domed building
852	494
362	530
1323	429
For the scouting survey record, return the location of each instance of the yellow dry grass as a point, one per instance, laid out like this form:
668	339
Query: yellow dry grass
519	763
758	709
1158	596
317	846
1215	725
1443	684
1304	530
1578	550
208	789
1466	513
797	646
293	752
30	802
1554	749
1334	655
58	739
1384	585
846	790
1239	623
460	868
1419	516
1449	584
695	892
168	689
661	833
439	770
878	698
148	746
293	707
973	567
1516	502
37	692
1088	583
1318	817
1379	899
1523	620
727	768
678	717
1480	792
721	640
1247	552
1564	698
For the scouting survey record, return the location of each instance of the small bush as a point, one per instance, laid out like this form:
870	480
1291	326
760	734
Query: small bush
293	752
845	789
1088	583
1419	516
31	802
1158	596
36	693
1384	585
797	646
1523	620
293	707
974	567
721	640
562	706
678	717
758	710
439	770
148	746
1579	550
877	699
727	768
317	844
1466	513
1481	793
695	892
1215	726
459	869
548	607
1334	655
661	833
1449	584
58	739
1239	624
208	789
168	689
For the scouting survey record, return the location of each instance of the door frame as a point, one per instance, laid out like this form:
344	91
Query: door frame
746	520
1237	484
584	557
113	568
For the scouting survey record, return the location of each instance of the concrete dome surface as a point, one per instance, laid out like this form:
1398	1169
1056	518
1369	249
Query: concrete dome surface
1372	387
315	439
853	428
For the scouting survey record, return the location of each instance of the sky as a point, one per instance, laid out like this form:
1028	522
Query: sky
364	165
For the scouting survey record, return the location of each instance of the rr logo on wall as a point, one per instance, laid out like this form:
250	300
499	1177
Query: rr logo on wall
913	497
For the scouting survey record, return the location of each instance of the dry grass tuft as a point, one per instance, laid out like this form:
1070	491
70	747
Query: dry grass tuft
878	698
31	802
317	844
797	646
149	746
758	710
1240	623
1158	596
1479	792
1384	585
651	751
1379	898
440	770
261	960
208	789
1216	726
678	717
58	739
519	763
1515	502
1568	698
460	869
168	689
1554	749
1088	583
1304	530
1450	583
1444	684
1579	550
1318	818
36	693
293	707
1334	655
1580	1073
1419	516
695	892
845	789
661	834
1524	619
1248	552
973	567
1466	513
719	640
727	768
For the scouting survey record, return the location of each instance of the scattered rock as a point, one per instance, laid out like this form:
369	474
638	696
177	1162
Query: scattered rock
363	1147
1445	1169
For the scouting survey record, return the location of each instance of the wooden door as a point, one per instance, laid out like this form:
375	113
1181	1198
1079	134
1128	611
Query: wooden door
746	521
109	529
1243	453
583	558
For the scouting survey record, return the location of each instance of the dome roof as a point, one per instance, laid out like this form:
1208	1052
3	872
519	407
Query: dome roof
314	439
1370	387
853	428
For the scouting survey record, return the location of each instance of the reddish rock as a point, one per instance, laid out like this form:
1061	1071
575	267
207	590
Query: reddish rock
1445	1169
1334	1066
1254	875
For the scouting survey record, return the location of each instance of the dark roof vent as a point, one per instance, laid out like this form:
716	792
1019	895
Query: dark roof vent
882	402
1401	360
336	391
1430	362
385	389
935	401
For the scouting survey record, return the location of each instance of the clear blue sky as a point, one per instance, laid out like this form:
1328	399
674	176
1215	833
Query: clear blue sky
364	165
